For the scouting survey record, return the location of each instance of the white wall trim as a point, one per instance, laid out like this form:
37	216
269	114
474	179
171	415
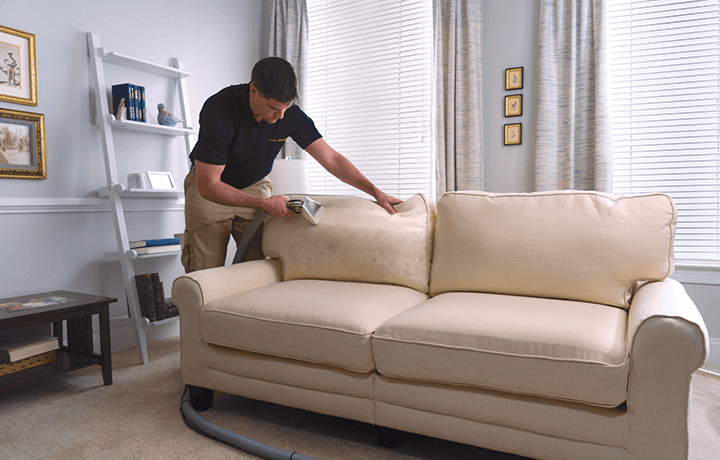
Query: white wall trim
714	351
84	205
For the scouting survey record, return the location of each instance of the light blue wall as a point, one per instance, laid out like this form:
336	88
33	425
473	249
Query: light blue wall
53	232
509	40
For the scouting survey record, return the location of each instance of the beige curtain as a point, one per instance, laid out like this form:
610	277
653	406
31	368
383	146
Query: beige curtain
459	108
574	145
288	40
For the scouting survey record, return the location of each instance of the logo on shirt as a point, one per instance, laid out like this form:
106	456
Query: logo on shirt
278	140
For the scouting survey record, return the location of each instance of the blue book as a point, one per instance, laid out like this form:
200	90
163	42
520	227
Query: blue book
120	92
141	104
152	243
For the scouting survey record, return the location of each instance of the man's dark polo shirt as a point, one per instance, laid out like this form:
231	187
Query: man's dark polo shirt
231	136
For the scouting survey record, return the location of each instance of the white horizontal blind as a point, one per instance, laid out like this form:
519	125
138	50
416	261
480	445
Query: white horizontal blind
369	89
665	83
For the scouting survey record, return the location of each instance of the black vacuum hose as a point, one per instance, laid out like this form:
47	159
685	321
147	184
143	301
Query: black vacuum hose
202	426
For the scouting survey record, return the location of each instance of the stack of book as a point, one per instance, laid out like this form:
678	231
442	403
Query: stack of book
156	246
129	102
17	356
151	295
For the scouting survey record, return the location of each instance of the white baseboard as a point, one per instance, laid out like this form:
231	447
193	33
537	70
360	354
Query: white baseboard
124	337
714	351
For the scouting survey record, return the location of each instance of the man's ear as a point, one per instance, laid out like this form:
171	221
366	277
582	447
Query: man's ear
254	91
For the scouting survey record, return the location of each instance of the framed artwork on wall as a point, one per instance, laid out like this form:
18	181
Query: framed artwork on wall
22	145
160	180
18	75
513	105
513	134
514	78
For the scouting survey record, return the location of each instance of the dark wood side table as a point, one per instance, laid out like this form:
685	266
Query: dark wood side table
78	352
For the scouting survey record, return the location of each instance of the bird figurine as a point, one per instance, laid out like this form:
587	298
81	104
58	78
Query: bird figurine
166	118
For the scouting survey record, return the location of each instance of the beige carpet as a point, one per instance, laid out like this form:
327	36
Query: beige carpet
76	417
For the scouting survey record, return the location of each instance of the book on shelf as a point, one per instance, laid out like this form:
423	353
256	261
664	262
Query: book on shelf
15	351
151	296
27	363
154	242
146	296
158	249
134	96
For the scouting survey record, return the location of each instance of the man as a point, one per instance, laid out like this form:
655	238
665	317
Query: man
242	129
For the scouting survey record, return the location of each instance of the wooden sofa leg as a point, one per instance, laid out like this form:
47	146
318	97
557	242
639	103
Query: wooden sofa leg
201	398
388	437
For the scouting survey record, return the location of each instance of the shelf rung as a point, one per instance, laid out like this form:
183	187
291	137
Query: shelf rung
115	256
162	322
143	193
151	128
146	66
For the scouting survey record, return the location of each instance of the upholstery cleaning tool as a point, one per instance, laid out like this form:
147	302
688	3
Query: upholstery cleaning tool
310	209
202	426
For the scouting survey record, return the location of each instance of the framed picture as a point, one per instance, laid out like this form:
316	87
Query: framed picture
513	134
514	78
513	105
22	145
18	76
160	180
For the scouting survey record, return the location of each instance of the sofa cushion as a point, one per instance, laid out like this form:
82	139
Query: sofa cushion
357	240
575	245
558	349
327	322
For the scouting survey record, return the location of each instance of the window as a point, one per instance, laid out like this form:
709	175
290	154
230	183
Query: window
665	83
369	89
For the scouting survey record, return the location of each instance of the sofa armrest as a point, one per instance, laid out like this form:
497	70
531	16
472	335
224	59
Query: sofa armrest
190	292
198	288
663	312
667	342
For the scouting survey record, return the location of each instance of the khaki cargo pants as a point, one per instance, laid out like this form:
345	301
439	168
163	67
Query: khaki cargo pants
208	226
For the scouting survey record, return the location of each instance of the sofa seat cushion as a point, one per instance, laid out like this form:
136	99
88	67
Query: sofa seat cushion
326	322
560	349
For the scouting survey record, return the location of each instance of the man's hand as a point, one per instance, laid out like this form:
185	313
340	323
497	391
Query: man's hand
276	206
387	202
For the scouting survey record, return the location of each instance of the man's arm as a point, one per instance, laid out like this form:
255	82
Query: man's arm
212	188
340	167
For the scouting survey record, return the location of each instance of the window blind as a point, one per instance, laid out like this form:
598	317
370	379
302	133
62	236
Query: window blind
369	89
665	83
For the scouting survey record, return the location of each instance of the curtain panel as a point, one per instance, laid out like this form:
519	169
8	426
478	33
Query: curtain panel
289	40
574	147
458	104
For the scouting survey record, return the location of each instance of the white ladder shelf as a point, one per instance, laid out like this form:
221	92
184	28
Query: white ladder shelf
114	190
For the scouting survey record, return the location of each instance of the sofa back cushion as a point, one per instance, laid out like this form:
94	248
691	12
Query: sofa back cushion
576	245
357	240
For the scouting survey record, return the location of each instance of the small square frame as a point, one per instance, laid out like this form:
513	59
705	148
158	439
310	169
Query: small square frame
514	78
18	79
160	180
513	105
513	134
22	145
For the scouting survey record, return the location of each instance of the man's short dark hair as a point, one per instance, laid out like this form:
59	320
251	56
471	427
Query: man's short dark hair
275	78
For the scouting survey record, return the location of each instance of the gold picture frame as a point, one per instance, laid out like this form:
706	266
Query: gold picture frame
513	105
514	78
513	134
22	145
18	74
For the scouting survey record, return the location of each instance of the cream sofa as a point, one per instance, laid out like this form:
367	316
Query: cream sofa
539	324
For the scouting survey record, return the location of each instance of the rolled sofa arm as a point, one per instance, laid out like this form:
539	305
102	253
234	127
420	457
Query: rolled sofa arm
190	292
667	341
